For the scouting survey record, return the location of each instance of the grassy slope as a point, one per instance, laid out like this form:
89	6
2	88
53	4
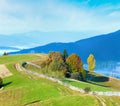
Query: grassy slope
70	101
27	89
22	88
79	84
83	85
112	101
113	85
17	58
110	85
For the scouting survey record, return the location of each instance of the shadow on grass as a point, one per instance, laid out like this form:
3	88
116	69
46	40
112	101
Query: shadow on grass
5	84
96	84
32	102
96	78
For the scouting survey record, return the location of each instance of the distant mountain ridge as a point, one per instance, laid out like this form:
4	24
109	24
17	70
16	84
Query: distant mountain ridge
104	47
6	48
36	38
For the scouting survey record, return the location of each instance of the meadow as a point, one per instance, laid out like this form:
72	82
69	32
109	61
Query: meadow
22	89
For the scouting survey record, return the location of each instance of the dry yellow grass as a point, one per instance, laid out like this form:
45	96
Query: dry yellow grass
113	83
4	72
41	58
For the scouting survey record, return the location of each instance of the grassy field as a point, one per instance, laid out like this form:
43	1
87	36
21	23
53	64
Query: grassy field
111	85
22	89
79	84
17	58
83	85
70	101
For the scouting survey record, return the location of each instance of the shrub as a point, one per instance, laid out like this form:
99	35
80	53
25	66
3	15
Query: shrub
57	66
87	89
76	76
24	64
67	74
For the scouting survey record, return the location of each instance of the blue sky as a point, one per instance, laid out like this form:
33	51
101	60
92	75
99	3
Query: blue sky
86	16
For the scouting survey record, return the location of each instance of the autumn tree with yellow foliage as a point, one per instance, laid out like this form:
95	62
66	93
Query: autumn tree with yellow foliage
91	62
76	65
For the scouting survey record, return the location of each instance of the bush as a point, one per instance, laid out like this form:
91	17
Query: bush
67	74
76	76
24	64
1	82
56	66
87	89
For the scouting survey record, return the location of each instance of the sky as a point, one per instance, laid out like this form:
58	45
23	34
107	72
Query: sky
87	16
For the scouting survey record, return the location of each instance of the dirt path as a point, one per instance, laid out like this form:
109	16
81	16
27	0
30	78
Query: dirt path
18	67
4	72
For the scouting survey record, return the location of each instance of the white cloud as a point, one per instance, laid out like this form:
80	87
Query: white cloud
56	16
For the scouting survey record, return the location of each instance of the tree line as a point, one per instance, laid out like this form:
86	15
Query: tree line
63	65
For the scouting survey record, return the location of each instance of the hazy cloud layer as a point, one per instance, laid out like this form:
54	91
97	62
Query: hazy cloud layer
57	15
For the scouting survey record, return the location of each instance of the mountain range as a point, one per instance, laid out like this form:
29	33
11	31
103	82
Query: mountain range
36	38
104	47
8	48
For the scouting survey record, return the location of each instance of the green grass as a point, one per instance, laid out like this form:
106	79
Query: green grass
25	88
17	58
112	83
111	101
56	74
83	85
22	88
79	84
70	101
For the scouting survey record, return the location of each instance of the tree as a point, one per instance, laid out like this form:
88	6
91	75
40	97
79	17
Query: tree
54	56
75	65
64	55
55	64
91	62
5	54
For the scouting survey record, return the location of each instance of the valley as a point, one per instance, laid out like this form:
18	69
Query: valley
60	53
